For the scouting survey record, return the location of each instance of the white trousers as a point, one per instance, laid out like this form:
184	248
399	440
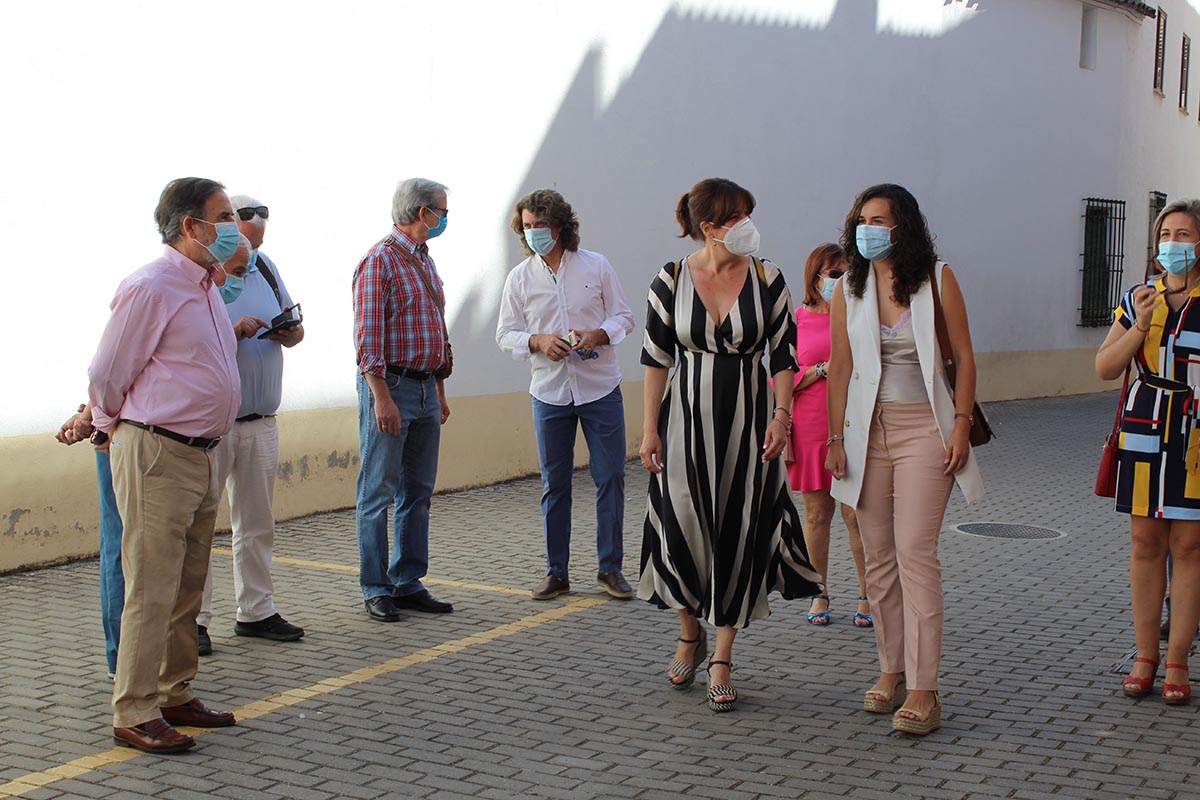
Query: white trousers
246	461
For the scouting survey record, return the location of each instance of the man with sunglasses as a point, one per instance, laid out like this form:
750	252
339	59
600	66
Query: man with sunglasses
403	355
247	458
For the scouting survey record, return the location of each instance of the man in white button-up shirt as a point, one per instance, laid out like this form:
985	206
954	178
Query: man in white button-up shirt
564	310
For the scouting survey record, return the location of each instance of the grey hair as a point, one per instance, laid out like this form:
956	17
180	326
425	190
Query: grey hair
243	244
244	201
413	194
1189	207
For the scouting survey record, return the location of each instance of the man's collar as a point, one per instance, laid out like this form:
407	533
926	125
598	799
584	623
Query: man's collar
203	276
405	241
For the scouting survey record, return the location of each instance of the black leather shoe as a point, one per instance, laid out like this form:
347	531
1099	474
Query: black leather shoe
273	627
203	642
422	601
382	609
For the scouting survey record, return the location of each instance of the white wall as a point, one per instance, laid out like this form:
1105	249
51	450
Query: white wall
319	108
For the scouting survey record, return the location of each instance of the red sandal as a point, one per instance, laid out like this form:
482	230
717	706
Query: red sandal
1184	689
1140	687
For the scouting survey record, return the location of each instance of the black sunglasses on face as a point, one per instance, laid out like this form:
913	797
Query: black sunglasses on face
246	214
832	273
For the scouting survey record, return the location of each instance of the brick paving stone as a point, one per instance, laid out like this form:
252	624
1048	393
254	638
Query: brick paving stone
577	708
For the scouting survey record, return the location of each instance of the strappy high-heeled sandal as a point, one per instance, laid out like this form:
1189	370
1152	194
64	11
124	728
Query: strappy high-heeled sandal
878	702
922	726
1140	687
862	620
1184	689
687	671
821	618
721	690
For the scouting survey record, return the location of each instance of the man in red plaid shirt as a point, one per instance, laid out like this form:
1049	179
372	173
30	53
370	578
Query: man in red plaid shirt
401	344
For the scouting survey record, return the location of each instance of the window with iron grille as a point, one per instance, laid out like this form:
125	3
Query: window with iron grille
1185	60
1103	260
1158	201
1160	51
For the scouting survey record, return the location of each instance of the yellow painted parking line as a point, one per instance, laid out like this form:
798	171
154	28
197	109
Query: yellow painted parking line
301	562
277	702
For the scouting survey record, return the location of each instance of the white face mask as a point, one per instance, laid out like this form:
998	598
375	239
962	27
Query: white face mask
742	239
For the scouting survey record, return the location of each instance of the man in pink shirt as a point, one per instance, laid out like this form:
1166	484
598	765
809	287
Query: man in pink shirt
164	387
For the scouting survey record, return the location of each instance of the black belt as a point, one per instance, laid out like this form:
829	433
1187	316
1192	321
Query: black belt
190	441
405	372
252	417
1164	384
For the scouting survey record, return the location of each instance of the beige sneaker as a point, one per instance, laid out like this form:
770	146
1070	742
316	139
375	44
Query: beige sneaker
614	583
551	587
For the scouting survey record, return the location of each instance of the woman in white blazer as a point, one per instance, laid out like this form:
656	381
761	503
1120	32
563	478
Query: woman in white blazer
898	437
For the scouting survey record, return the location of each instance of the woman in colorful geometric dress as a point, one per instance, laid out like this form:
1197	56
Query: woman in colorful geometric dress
1158	476
721	530
810	422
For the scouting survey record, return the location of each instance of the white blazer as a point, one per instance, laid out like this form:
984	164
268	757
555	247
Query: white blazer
862	327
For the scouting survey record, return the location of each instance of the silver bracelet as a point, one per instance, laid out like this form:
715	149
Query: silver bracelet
837	437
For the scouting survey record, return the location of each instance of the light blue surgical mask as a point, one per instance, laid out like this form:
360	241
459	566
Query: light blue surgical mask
874	241
539	240
232	288
226	242
1176	257
253	260
827	288
440	228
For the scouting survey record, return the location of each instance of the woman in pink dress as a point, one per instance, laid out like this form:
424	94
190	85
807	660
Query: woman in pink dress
807	473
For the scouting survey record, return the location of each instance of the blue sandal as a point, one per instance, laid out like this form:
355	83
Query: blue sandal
863	620
823	617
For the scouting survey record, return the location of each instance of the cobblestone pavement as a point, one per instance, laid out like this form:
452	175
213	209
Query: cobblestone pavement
510	698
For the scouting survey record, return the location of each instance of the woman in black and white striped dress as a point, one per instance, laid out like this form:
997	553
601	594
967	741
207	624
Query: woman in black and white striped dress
721	530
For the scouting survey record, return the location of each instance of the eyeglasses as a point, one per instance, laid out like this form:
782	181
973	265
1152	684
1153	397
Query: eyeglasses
246	214
832	273
440	211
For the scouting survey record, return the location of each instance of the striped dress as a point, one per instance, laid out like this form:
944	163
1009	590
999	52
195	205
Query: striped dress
721	530
1158	472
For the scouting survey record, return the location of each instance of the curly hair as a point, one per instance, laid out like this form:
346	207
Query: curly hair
824	257
913	256
711	200
551	208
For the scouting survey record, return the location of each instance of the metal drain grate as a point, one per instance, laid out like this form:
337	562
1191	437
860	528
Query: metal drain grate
1001	530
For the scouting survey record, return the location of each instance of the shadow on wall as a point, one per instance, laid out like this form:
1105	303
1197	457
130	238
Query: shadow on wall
803	117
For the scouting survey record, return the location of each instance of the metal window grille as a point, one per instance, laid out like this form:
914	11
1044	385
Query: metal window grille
1103	260
1185	60
1160	51
1158	201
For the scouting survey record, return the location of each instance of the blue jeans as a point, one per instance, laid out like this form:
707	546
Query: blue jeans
396	470
603	423
112	580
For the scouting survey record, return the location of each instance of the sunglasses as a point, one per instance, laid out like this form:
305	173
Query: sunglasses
246	214
832	273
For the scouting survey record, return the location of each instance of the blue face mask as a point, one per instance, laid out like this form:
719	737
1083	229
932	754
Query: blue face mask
232	288
827	288
874	242
1176	257
253	260
539	240
226	242
440	228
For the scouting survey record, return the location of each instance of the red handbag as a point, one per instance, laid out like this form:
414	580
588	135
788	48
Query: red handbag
1106	477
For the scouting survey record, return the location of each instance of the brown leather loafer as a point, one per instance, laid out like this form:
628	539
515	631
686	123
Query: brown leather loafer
550	587
155	736
195	714
615	584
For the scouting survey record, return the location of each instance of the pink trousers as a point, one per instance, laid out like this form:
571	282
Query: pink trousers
900	510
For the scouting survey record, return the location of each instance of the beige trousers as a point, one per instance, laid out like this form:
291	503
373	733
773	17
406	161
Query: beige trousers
246	462
900	511
167	497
